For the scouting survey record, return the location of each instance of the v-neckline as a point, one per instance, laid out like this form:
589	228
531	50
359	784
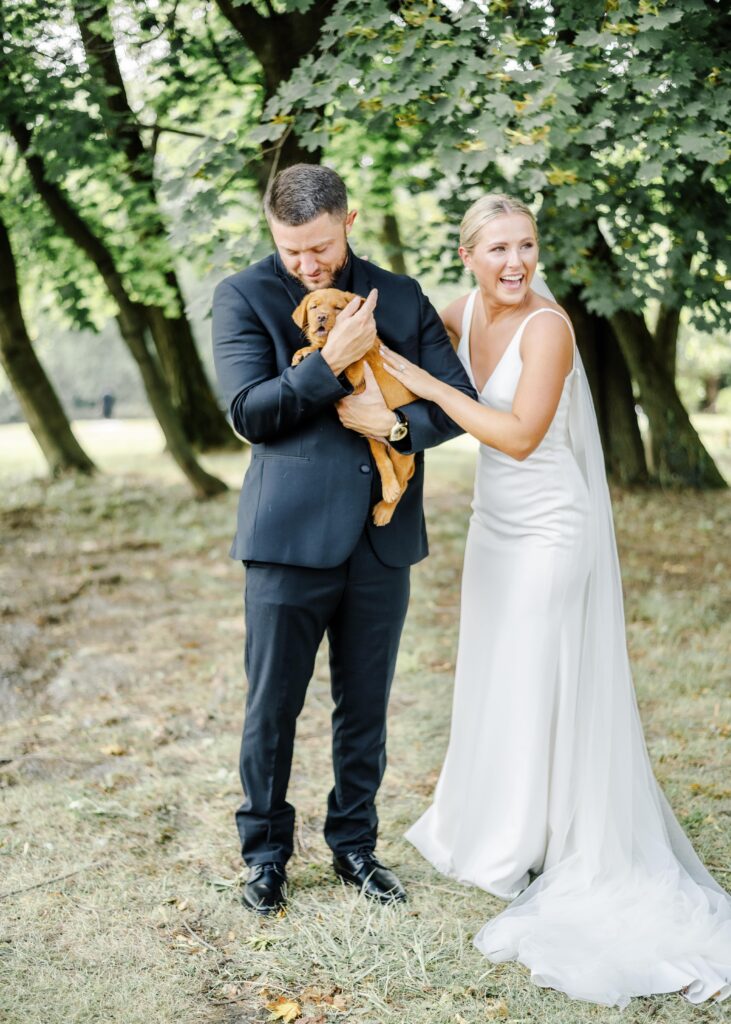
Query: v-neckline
469	348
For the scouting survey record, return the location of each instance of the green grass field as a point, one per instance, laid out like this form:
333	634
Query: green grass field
122	690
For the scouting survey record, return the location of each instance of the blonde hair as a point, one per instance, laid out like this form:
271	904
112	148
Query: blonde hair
485	209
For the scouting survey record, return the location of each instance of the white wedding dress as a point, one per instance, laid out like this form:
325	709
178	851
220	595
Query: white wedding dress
547	796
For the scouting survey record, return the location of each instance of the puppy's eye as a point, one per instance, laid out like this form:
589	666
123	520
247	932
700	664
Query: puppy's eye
313	305
338	308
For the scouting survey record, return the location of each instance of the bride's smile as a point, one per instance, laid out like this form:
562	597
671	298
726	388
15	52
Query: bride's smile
504	260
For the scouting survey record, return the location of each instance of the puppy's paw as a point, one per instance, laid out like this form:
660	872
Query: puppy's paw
383	513
391	490
299	356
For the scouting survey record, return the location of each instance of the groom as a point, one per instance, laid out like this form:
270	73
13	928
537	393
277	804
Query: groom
315	562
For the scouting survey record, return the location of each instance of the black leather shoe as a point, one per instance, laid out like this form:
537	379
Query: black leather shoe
360	868
266	888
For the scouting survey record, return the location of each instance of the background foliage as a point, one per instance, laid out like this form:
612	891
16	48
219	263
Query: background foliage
610	117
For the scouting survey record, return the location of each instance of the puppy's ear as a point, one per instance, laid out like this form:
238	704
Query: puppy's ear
300	314
349	296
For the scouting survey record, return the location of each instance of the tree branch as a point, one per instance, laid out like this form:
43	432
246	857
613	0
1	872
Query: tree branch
277	155
157	129
166	26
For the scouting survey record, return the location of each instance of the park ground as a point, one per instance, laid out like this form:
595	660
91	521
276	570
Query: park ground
121	692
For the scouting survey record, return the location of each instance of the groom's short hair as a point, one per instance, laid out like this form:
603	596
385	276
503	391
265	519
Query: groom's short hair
302	192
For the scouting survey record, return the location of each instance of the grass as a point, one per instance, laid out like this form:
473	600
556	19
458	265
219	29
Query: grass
122	691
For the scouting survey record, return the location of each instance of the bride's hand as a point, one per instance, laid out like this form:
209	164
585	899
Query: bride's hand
418	381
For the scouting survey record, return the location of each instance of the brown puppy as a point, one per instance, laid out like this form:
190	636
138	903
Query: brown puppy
316	316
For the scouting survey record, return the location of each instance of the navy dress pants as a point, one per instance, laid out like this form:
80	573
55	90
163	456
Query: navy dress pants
362	606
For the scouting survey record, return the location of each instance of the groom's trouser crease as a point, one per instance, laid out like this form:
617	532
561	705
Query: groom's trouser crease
362	606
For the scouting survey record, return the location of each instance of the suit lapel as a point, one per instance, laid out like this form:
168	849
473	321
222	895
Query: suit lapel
360	282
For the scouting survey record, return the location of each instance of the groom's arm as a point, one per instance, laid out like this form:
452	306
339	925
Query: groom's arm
263	403
428	425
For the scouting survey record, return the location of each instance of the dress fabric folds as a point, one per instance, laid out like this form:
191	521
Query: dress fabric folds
547	797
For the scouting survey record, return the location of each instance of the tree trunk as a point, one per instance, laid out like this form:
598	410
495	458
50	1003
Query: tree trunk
38	400
132	328
711	388
679	457
392	243
131	316
203	422
611	388
666	338
265	36
678	452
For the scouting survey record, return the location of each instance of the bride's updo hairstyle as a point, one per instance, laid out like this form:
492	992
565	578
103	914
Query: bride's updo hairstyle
485	209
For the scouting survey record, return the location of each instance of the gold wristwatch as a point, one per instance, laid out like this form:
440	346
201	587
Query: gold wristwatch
400	428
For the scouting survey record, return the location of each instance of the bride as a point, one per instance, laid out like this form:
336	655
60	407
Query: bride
547	797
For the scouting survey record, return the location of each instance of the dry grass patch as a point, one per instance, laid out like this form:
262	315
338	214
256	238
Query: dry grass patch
120	677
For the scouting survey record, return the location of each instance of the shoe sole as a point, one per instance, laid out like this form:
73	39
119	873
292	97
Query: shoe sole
263	911
385	898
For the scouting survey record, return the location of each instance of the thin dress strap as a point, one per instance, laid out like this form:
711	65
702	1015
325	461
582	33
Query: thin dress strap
548	309
467	314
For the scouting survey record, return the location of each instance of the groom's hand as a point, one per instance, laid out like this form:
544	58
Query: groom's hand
353	333
367	413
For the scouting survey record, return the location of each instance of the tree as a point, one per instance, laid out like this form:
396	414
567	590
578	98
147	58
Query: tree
596	112
130	317
280	40
38	400
611	388
203	421
32	88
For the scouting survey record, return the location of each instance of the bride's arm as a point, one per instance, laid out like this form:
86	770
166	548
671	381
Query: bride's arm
547	355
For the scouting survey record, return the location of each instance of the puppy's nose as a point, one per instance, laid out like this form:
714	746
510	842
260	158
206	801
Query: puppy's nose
322	317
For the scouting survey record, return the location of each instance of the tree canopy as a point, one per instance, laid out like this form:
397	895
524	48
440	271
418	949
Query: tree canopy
162	123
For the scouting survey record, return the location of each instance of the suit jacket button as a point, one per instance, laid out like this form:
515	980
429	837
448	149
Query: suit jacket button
365	468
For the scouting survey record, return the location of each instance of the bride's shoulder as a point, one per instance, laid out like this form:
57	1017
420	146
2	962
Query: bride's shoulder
542	303
451	317
544	334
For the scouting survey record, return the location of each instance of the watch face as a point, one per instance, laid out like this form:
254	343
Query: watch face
398	431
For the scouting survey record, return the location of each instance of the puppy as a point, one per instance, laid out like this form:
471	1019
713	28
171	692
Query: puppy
316	316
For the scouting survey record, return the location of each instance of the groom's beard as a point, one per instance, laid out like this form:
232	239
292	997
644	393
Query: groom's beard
328	275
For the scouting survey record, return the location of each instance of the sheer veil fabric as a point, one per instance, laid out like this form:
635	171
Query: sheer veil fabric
623	906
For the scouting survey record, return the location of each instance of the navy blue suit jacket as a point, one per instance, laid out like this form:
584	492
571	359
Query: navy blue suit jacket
311	483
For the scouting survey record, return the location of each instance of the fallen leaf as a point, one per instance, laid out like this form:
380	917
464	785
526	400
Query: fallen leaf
333	997
313	995
284	1009
495	1009
114	750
